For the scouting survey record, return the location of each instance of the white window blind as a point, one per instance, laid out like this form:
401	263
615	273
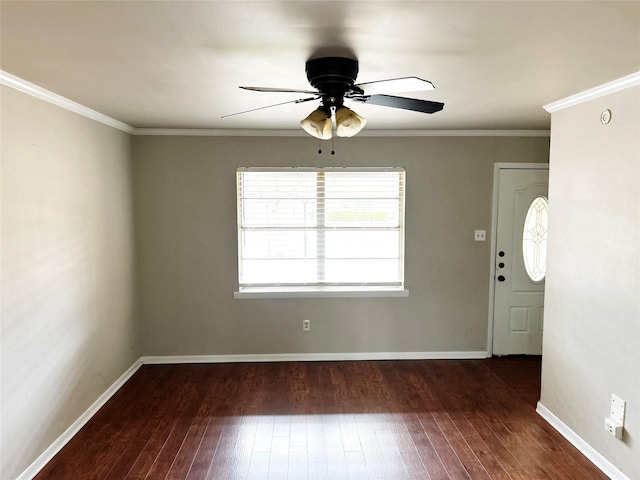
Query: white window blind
320	227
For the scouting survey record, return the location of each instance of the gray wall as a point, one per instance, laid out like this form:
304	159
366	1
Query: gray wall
68	329
187	243
592	309
86	290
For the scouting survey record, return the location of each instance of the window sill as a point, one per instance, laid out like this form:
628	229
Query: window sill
319	292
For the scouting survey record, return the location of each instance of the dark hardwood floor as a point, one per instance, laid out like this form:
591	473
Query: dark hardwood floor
520	372
444	419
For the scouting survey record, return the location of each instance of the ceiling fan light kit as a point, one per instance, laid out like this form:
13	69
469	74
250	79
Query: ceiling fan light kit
317	124
348	122
334	80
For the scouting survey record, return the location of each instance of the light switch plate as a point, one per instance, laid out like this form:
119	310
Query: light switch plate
480	235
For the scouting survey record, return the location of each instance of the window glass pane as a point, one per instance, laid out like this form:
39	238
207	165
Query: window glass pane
534	239
278	244
277	199
363	244
318	227
279	185
362	271
274	271
360	199
361	212
362	184
279	212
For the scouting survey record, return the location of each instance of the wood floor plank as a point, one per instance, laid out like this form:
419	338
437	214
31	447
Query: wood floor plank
433	464
205	403
417	420
487	459
458	443
206	450
529	452
233	456
450	460
297	466
498	450
520	372
114	425
156	458
217	411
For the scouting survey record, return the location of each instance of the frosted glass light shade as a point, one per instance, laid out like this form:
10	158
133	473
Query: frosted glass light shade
348	122
317	124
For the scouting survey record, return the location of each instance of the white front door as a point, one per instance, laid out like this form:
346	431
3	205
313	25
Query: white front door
520	261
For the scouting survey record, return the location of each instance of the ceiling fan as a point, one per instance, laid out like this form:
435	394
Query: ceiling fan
334	81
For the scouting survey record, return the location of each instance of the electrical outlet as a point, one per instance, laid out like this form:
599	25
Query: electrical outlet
613	428
306	325
480	235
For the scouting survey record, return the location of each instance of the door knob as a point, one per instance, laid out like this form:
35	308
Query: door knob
501	278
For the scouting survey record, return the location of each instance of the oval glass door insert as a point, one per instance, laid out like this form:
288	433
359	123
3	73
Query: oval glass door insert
534	239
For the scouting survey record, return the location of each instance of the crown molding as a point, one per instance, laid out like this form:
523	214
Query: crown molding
204	132
48	96
614	86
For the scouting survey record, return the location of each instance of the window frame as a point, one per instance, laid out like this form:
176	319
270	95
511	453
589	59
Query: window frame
315	290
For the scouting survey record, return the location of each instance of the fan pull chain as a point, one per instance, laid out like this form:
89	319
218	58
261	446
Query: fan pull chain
333	151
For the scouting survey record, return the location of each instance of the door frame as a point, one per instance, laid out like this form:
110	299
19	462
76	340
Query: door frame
494	225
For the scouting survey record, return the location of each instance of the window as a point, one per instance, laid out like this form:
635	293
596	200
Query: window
320	229
534	239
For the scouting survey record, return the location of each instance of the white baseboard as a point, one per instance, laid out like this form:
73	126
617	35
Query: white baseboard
311	357
63	439
587	450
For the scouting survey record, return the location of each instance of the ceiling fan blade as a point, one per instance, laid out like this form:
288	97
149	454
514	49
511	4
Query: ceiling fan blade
395	85
300	100
281	90
424	106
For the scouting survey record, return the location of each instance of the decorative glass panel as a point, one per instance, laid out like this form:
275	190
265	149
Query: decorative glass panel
534	239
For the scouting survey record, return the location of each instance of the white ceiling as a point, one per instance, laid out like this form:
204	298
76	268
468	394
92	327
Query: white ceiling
177	64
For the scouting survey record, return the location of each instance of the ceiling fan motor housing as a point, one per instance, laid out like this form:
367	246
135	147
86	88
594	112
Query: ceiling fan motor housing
334	80
332	77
